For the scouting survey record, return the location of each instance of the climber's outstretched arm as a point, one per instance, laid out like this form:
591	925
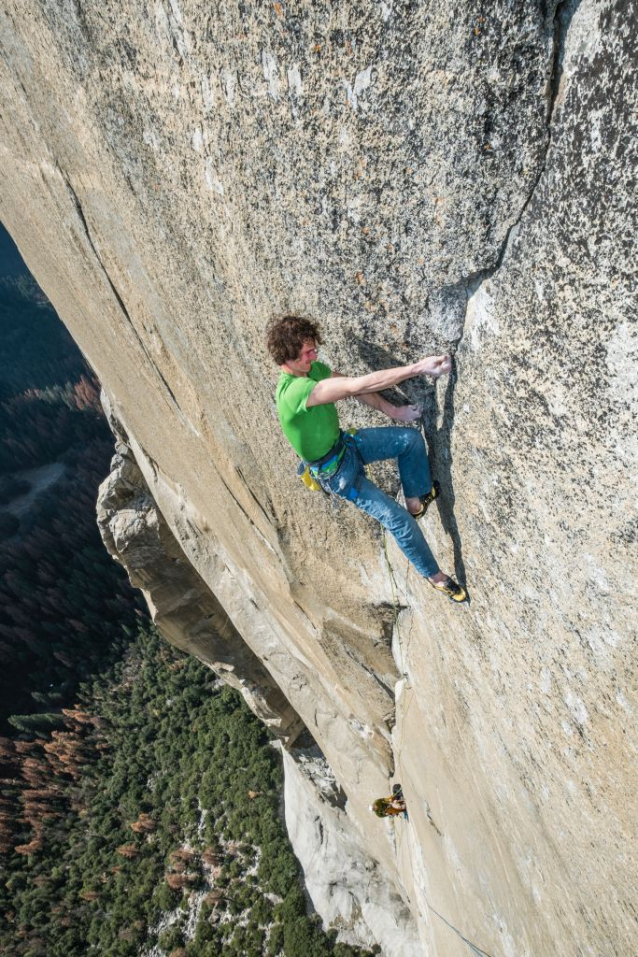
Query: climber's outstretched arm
400	413
346	387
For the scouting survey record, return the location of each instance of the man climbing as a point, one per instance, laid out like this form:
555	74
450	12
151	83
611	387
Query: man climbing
306	394
390	806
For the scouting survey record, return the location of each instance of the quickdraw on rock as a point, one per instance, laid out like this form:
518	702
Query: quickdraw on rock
304	474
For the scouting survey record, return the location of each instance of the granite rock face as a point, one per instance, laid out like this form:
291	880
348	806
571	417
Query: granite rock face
347	887
421	179
183	607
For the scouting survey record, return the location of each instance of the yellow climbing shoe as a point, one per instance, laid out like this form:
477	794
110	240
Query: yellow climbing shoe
426	500
452	589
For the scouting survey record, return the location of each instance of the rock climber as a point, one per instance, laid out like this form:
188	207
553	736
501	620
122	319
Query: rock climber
306	394
390	806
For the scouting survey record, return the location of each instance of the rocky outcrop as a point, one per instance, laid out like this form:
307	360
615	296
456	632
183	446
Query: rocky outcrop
420	178
348	888
183	608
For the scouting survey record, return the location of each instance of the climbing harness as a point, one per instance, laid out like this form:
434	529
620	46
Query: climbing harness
313	474
304	473
327	466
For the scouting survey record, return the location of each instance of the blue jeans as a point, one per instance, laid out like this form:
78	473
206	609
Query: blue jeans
350	482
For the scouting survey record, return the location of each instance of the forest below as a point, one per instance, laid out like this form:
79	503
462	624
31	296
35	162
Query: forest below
140	800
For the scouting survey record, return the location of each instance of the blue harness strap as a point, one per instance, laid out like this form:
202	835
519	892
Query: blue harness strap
326	466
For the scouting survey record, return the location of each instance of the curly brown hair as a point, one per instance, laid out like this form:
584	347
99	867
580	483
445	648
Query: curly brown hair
287	334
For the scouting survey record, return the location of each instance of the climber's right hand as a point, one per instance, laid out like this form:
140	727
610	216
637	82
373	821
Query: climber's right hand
435	366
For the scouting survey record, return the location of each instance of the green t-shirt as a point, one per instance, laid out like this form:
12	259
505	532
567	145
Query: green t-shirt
311	432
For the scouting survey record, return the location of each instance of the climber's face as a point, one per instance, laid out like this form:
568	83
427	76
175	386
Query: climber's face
308	355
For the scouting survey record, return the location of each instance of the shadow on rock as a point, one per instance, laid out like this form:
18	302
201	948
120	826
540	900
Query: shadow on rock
437	438
376	357
439	447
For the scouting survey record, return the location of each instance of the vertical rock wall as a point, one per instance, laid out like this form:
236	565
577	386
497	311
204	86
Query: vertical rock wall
183	608
347	886
420	178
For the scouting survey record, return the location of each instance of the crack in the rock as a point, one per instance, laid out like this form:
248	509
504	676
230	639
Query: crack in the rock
114	290
457	297
270	517
563	14
387	690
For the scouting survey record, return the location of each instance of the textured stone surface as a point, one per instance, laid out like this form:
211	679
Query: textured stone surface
420	178
345	883
348	888
182	606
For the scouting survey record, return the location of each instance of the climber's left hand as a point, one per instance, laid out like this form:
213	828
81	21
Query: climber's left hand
407	413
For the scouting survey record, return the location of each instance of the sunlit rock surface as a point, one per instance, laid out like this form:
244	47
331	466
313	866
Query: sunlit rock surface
420	178
183	607
347	887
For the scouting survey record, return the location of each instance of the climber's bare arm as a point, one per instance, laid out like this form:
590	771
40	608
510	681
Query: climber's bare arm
339	387
400	413
374	399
